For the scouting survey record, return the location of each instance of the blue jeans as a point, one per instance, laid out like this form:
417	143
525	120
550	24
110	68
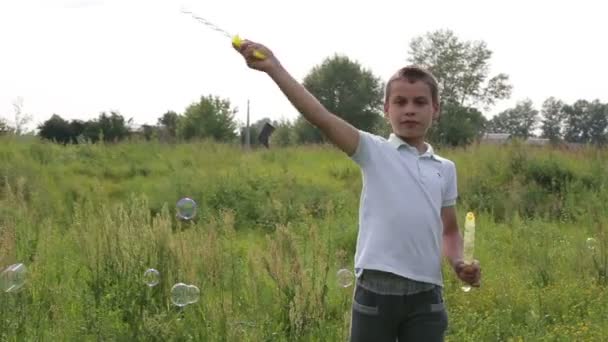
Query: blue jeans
415	317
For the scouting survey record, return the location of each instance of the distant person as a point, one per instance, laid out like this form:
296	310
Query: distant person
407	212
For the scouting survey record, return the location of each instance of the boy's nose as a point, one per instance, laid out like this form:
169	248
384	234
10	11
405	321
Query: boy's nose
409	110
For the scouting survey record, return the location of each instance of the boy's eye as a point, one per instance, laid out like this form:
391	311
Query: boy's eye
419	101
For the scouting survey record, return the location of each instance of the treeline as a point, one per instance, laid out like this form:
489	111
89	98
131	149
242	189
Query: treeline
580	122
211	117
348	89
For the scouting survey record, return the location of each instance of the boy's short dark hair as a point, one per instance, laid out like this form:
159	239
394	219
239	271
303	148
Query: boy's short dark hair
413	73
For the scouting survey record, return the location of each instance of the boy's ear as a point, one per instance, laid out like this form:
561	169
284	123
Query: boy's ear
436	111
385	110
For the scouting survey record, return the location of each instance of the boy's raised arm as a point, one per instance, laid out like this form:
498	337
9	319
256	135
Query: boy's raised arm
339	132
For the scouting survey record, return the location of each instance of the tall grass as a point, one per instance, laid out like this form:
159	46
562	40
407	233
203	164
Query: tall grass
273	228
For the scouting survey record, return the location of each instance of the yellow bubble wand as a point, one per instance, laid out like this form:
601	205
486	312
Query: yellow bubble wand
236	40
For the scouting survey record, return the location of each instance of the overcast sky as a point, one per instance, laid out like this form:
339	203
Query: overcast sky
77	58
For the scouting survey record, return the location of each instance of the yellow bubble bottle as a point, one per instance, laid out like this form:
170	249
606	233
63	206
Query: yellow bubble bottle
469	243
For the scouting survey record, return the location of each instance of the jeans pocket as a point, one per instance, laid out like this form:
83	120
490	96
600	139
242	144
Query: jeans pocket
437	307
365	302
437	304
429	301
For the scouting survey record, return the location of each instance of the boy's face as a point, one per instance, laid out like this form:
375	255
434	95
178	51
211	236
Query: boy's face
410	109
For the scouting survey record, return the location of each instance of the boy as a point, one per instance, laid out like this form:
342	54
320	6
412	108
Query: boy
406	213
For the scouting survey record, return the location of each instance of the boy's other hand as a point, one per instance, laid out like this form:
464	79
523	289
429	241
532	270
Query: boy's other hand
469	273
250	51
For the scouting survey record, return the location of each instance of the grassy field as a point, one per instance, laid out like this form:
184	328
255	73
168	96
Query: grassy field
272	230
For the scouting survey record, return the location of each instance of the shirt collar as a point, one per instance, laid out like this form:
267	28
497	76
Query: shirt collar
397	142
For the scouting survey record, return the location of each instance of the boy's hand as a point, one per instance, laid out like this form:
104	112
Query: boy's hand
265	64
470	274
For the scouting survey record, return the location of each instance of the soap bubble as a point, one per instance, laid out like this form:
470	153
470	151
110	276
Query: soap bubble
186	208
591	243
193	294
13	278
345	278
180	294
151	277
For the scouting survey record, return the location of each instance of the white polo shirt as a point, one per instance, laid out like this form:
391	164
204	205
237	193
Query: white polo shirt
400	226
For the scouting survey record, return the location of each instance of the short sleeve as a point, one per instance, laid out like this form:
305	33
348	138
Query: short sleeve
364	153
450	193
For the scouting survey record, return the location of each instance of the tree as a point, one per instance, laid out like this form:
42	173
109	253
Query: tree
212	117
4	127
60	130
77	128
169	120
598	123
458	126
111	127
461	68
520	121
304	132
21	118
56	129
283	134
92	131
552	119
345	88
383	128
586	122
